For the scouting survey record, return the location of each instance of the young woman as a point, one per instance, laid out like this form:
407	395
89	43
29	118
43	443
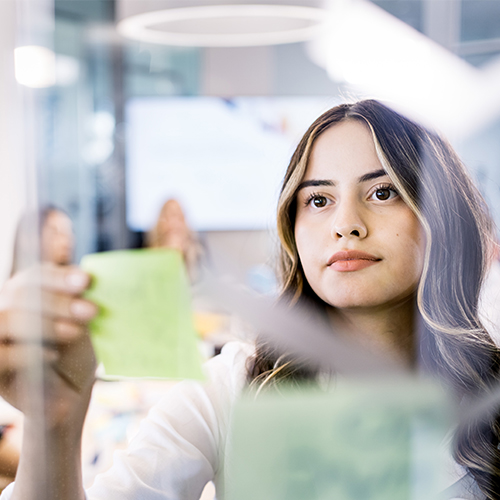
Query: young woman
382	230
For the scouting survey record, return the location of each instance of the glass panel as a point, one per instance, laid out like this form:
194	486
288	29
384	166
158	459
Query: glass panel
157	168
480	20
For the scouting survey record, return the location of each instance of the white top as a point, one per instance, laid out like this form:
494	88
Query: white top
181	445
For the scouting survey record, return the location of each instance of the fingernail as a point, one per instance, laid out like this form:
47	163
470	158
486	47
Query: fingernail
77	280
82	309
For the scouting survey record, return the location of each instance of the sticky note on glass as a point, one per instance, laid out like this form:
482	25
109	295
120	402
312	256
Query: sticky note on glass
360	441
144	327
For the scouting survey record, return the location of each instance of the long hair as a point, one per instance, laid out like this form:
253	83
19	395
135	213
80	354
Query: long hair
434	183
189	244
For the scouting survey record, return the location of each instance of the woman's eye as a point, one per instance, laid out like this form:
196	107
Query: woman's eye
384	193
318	201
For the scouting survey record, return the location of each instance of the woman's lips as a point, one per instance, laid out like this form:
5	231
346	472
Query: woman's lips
351	260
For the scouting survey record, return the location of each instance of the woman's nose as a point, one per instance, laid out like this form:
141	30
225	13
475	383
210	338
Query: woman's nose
348	223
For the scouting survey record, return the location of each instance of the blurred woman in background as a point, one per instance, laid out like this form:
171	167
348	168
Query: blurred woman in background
172	231
53	233
57	240
56	247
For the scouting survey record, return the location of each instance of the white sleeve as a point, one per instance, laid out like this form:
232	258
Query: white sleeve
180	445
7	492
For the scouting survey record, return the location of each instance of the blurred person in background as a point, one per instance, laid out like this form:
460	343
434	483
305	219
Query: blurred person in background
54	235
172	231
56	239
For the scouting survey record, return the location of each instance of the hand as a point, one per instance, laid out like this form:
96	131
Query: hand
43	318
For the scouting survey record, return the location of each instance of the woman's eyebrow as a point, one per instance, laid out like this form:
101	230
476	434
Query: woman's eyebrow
372	175
315	182
366	177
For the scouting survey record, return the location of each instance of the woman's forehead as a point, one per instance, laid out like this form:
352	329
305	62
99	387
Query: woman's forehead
57	219
344	150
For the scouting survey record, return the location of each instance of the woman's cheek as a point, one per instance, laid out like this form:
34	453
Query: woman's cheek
307	247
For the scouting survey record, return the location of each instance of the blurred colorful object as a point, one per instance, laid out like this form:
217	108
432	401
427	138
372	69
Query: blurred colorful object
362	440
208	323
144	328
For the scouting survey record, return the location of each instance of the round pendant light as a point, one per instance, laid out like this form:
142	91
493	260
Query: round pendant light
225	25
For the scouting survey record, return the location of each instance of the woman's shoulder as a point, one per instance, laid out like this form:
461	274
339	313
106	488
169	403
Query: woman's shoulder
182	441
233	358
463	489
226	373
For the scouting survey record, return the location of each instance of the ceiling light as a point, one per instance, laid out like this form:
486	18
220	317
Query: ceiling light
225	25
35	66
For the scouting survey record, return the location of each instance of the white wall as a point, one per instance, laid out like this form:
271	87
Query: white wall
11	166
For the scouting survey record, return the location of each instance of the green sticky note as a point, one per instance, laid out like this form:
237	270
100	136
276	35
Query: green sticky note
144	327
360	441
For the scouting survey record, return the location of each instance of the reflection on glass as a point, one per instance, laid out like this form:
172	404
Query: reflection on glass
383	244
357	440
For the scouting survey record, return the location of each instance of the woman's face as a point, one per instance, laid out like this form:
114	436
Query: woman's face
359	244
173	231
57	239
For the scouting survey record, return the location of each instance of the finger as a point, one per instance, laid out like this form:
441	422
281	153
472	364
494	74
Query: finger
46	302
18	357
68	331
58	305
25	292
22	327
55	305
65	279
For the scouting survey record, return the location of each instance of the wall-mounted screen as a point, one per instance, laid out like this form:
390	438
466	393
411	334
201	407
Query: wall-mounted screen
223	159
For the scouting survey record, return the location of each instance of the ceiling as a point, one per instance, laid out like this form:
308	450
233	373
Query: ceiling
470	28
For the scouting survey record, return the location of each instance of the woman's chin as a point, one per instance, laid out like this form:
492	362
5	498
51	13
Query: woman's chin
357	300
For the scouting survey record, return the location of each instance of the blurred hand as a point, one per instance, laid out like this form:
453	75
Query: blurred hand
43	318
